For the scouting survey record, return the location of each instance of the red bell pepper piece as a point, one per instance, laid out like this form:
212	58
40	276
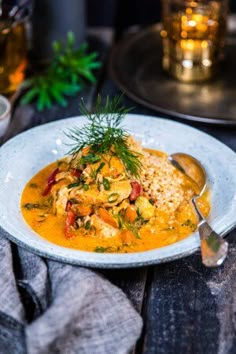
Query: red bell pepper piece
68	205
70	219
137	190
50	182
75	172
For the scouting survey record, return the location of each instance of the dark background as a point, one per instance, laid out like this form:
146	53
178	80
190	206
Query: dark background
123	13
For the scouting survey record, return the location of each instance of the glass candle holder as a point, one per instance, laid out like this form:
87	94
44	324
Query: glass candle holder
13	52
193	37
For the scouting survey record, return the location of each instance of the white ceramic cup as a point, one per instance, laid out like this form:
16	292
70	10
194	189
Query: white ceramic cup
5	114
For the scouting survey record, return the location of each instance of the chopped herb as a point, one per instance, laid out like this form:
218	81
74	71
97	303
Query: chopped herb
100	249
151	201
72	185
87	225
86	187
189	223
33	185
50	201
91	158
73	201
30	206
102	164
125	225
113	197
170	228
133	229
106	184
60	163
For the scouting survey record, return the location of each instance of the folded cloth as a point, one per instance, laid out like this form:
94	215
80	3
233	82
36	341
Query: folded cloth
49	307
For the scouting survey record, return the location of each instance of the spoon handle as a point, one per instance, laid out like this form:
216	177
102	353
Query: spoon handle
214	248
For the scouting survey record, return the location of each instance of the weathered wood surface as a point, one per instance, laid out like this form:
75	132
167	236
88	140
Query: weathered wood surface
186	308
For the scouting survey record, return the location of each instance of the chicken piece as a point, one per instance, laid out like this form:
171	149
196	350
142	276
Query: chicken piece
60	197
102	228
118	192
64	175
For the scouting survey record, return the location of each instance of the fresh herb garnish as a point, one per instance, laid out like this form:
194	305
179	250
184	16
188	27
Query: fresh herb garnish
30	206
104	134
100	167
125	225
91	158
100	249
85	187
189	223
113	197
87	225
72	185
106	184
170	228
33	185
65	76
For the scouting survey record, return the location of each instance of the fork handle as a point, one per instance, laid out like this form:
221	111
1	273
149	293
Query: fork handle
214	248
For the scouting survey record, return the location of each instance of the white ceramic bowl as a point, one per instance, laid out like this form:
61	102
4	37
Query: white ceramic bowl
5	114
24	155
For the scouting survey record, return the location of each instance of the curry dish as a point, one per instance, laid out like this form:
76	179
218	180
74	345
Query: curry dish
94	201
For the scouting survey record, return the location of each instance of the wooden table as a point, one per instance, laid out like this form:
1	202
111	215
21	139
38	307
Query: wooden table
186	308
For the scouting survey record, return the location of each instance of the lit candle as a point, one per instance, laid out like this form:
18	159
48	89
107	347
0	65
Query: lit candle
193	39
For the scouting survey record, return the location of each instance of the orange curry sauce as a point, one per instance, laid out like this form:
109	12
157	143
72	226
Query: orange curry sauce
51	226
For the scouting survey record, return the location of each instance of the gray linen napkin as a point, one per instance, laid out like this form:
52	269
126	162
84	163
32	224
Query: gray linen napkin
49	307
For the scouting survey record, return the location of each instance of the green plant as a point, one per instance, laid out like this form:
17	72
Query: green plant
66	75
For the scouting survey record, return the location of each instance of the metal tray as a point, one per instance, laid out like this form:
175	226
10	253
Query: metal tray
135	65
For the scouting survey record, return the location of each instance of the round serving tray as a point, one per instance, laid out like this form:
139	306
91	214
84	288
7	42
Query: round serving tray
135	65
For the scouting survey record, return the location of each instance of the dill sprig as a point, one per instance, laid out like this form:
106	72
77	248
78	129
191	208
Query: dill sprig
104	133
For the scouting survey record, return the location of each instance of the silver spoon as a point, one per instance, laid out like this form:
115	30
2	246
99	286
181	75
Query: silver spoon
214	248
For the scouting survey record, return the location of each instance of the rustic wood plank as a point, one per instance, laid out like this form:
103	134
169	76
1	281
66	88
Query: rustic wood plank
191	309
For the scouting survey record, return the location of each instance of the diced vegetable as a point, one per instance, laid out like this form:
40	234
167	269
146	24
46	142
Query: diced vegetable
145	208
107	217
70	219
131	214
68	205
127	237
84	210
50	182
137	190
75	172
85	150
